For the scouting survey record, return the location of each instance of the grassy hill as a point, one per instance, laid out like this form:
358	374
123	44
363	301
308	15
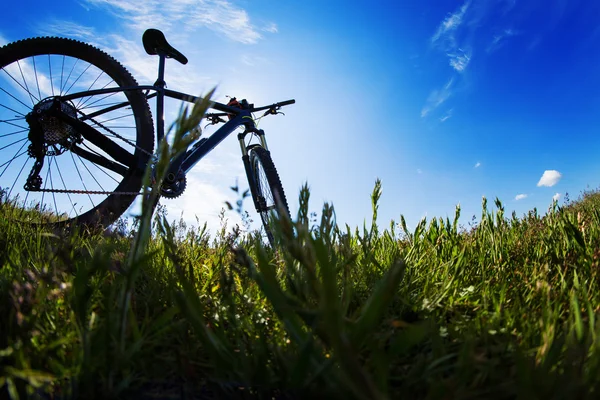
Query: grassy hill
504	309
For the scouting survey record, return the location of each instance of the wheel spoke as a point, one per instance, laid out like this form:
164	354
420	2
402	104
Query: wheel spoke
81	179
50	70
18	176
65	186
8	122
25	88
92	175
13	110
37	82
52	185
7	163
111	148
13	133
62	73
45	188
79	77
68	77
12	144
64	81
87	106
115	118
26	106
98	159
81	105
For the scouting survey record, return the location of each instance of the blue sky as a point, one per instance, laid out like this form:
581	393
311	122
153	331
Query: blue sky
445	101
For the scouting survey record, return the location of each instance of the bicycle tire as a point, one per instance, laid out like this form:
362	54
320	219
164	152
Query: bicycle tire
29	76
269	191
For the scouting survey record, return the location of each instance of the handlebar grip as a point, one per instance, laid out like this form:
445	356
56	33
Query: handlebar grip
286	103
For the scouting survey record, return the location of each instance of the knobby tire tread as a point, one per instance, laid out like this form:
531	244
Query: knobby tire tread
111	208
259	154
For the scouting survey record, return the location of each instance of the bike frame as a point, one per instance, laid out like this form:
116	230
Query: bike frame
187	161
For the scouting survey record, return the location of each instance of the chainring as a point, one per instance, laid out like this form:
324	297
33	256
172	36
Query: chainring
175	189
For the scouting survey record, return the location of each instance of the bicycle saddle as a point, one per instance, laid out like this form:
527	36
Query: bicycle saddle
155	43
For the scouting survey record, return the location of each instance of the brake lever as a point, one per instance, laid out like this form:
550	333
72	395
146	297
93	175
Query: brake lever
214	119
273	110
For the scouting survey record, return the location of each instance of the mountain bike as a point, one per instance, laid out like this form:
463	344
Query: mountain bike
76	133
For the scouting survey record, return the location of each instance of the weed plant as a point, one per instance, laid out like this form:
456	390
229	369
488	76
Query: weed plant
504	309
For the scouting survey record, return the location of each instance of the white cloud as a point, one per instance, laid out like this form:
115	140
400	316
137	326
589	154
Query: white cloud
450	24
500	38
447	115
520	197
445	39
556	197
459	59
271	28
253	61
68	29
437	98
477	165
221	16
550	178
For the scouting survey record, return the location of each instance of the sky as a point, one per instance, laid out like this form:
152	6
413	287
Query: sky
444	101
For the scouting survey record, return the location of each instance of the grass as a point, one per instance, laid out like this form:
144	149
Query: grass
507	308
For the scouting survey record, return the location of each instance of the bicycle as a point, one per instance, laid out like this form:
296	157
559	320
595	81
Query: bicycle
74	112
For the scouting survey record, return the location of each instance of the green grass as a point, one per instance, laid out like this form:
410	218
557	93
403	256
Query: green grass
504	309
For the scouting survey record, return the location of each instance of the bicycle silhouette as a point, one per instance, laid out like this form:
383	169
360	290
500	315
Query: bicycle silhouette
76	133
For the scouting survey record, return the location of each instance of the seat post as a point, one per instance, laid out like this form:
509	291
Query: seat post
160	99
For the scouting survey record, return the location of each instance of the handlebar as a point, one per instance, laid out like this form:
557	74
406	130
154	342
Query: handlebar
276	105
230	110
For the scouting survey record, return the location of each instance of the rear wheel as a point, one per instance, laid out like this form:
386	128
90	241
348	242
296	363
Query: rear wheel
49	160
270	197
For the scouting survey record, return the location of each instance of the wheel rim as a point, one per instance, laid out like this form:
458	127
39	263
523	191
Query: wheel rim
266	200
33	82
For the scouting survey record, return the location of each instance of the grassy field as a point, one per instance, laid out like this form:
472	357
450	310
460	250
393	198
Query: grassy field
505	308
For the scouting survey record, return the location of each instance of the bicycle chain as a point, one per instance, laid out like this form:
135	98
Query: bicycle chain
117	135
74	191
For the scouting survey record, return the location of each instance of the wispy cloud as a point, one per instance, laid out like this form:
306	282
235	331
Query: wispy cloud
446	116
437	98
252	60
129	52
550	178
477	165
459	59
520	197
445	39
500	38
271	28
221	16
69	29
450	24
419	171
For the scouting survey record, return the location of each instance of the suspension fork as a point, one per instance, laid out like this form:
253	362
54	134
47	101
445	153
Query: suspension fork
246	160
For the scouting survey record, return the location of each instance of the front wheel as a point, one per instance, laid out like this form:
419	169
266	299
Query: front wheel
269	196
